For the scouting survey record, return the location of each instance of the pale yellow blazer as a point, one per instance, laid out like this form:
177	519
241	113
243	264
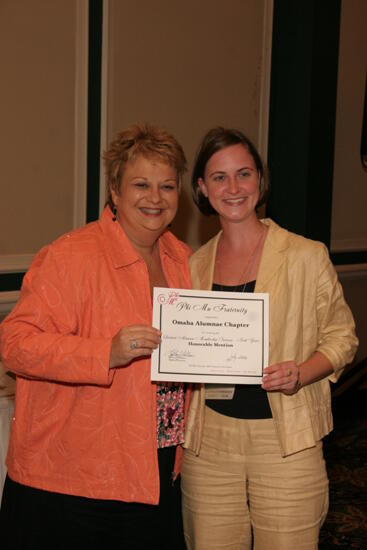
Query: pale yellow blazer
308	313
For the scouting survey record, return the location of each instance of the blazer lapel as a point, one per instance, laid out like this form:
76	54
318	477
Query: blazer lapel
273	256
202	264
277	241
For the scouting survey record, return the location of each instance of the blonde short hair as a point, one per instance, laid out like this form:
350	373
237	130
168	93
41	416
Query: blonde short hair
143	140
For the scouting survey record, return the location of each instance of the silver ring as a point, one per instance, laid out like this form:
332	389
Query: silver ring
133	344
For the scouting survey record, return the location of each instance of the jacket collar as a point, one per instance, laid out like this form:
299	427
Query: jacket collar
204	262
277	241
272	258
120	249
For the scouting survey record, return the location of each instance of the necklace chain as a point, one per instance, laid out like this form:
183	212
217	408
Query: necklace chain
251	262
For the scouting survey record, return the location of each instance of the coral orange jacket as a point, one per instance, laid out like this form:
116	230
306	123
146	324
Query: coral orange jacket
80	428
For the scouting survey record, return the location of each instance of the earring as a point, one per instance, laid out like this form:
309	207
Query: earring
114	211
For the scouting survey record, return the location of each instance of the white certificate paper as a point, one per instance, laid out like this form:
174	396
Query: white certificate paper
209	336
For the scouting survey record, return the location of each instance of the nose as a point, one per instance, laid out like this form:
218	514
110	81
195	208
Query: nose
155	194
233	185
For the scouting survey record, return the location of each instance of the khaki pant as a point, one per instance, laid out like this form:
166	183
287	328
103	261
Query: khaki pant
240	486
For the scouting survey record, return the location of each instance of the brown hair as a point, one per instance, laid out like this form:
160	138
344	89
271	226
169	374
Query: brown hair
140	140
215	140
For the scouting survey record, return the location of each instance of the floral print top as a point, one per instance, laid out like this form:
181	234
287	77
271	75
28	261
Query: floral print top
170	414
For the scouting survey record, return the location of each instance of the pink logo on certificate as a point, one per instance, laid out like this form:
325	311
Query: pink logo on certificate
170	299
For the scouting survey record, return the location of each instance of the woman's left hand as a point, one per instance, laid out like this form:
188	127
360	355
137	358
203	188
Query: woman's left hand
282	377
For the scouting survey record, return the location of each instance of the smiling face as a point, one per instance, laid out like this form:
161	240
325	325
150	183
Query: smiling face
231	183
147	200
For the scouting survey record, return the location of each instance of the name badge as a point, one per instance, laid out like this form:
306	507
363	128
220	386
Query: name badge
216	391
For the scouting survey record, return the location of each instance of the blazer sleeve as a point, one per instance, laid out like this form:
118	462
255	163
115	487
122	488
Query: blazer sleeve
42	338
336	329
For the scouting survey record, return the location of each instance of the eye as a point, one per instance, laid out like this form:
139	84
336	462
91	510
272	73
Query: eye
219	178
141	184
244	174
169	186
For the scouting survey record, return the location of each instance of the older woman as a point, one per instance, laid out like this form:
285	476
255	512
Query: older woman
93	441
254	465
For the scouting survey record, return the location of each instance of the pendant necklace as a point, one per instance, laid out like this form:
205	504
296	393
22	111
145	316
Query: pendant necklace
251	262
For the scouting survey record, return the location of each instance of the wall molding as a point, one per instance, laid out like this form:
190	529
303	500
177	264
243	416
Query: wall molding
19	263
81	113
348	245
264	103
15	263
352	270
8	301
104	101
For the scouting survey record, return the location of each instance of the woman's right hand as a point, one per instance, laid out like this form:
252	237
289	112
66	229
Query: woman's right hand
132	342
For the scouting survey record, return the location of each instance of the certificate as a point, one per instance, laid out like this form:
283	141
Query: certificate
209	336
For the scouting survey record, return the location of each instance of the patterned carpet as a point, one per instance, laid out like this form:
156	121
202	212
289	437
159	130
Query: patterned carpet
346	458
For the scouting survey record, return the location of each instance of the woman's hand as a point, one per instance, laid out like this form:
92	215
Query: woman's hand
132	342
284	377
288	377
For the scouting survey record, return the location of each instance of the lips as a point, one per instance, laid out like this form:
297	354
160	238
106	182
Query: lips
151	211
236	201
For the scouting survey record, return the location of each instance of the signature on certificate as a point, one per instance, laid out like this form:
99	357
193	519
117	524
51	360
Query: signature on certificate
235	357
179	355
